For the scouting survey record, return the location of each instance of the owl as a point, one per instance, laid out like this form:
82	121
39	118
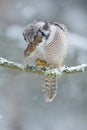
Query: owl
47	47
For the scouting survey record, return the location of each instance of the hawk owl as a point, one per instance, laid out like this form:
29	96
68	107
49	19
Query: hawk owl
47	46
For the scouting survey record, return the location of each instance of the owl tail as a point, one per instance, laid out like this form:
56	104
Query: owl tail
49	87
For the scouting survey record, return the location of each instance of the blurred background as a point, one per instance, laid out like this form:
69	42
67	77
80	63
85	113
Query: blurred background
22	106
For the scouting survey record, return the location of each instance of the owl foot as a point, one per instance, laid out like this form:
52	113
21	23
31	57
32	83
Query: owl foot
41	63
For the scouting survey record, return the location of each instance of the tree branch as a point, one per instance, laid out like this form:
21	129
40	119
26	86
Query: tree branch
42	70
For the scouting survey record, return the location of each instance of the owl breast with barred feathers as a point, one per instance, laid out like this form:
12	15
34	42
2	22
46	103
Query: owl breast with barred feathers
47	46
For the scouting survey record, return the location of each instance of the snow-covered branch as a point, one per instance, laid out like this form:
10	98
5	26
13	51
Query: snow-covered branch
42	70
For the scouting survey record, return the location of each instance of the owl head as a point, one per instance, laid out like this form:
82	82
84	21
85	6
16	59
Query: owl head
36	29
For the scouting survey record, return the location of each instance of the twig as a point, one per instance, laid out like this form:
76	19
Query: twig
42	70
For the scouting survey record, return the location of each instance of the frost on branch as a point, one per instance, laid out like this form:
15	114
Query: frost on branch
40	70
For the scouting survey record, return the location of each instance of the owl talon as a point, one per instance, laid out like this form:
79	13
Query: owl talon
41	63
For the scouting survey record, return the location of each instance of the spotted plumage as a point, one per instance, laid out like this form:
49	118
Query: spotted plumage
47	46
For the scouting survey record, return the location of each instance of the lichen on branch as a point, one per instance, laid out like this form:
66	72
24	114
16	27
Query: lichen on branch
42	70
